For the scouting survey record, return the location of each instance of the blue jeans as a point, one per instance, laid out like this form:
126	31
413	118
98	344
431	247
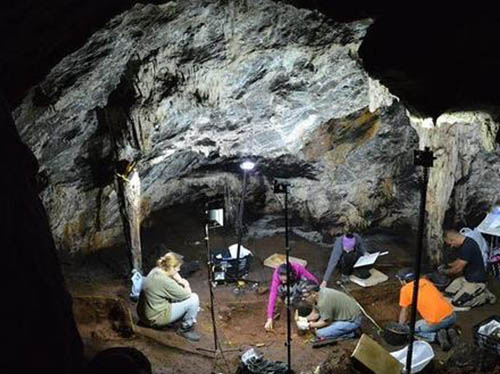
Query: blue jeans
340	329
428	331
186	309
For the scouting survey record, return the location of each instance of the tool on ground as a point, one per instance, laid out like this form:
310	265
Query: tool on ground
360	307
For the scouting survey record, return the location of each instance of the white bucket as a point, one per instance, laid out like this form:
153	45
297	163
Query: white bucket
422	355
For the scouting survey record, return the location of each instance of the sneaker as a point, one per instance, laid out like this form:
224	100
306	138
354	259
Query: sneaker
188	333
461	308
453	336
492	299
442	338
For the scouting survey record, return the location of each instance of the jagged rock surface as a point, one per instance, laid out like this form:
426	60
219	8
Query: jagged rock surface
187	88
463	181
40	304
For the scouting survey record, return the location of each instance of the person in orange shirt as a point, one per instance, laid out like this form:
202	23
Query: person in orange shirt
436	312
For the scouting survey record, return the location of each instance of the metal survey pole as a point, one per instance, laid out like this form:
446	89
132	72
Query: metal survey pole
423	158
282	187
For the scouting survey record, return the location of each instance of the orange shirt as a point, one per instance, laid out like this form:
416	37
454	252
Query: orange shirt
431	304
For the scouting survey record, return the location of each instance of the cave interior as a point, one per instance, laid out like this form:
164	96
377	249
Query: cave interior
123	119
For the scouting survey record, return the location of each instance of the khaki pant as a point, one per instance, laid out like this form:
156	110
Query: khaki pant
468	294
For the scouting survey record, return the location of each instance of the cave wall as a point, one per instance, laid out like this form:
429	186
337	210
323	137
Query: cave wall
443	67
189	88
39	330
464	177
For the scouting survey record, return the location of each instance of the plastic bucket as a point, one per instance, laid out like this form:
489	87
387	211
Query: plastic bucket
422	355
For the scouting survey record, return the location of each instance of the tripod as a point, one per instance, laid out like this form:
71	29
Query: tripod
280	188
423	158
217	350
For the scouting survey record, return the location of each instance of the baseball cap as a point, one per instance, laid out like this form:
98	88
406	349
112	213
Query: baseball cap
406	274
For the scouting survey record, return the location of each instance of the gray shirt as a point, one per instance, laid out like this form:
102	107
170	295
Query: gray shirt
337	252
334	305
158	292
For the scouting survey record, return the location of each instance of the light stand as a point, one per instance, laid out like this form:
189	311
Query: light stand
423	158
246	166
282	188
214	219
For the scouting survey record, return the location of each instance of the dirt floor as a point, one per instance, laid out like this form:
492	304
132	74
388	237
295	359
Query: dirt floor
106	316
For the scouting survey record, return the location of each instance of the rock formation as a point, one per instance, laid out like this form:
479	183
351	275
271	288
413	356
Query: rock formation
39	330
188	89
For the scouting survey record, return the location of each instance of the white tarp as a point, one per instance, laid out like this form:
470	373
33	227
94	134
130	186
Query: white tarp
490	225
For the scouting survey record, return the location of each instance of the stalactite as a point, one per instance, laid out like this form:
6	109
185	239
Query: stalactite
132	194
129	188
442	141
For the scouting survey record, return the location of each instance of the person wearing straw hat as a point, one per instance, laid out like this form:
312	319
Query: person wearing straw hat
298	273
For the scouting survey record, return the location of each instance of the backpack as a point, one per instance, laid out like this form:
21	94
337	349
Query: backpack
481	242
495	262
136	288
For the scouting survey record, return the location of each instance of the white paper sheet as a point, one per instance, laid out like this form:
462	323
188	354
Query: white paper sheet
233	249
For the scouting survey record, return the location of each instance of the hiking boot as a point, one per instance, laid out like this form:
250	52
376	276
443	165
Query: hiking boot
188	333
442	338
323	342
453	336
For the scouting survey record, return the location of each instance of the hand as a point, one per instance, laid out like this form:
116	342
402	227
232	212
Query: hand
313	316
269	324
177	277
442	269
323	284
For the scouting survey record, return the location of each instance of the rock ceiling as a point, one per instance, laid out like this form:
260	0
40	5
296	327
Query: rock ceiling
186	88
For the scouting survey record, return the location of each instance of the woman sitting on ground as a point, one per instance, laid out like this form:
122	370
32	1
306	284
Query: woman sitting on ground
166	297
278	287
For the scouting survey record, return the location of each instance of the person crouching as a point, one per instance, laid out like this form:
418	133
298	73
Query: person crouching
166	297
437	313
298	275
333	314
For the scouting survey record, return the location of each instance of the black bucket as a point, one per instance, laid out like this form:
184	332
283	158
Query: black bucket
441	281
395	335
